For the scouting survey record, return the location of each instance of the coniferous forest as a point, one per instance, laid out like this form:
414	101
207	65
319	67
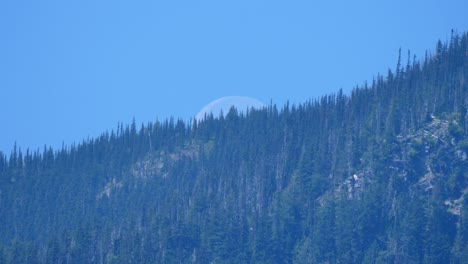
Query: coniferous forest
379	175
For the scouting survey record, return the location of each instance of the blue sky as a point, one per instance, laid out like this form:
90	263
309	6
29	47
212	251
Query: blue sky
73	69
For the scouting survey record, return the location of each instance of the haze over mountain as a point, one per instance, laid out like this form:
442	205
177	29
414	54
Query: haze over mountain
379	175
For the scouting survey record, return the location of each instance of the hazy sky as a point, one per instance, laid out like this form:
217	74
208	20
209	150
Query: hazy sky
73	69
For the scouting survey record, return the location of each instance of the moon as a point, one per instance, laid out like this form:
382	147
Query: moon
224	104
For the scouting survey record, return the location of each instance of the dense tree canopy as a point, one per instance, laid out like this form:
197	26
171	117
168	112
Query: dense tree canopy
376	176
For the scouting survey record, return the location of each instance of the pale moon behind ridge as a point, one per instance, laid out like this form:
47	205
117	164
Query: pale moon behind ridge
224	104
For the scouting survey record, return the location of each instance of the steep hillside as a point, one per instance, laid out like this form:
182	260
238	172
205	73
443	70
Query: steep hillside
377	176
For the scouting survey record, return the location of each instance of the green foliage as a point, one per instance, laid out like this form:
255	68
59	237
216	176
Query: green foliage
373	177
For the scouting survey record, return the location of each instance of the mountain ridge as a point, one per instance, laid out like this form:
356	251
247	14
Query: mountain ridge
377	176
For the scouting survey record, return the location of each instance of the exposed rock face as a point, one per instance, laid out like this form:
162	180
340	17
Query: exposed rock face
158	164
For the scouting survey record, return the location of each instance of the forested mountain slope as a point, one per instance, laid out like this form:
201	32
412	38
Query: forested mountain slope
376	176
